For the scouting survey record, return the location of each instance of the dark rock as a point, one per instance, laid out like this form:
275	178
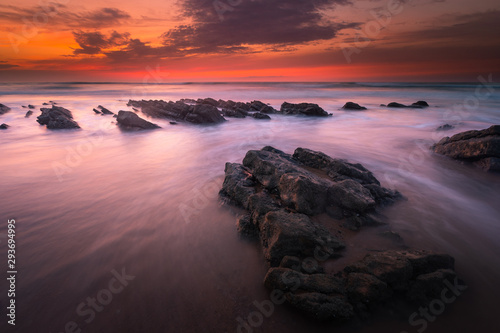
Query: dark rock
203	114
257	105
96	111
445	127
29	113
427	287
420	104
4	109
24	106
234	113
396	105
208	101
353	106
366	288
173	123
31	106
322	307
283	233
57	117
104	110
238	184
4	126
188	100
307	109
180	111
135	110
246	227
259	115
268	109
46	103
128	120
479	147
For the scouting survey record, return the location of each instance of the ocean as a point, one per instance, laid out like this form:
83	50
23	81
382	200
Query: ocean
97	203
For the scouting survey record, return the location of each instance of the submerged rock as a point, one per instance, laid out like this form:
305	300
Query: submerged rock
307	109
260	115
29	113
420	104
57	117
445	127
396	105
201	113
416	105
353	106
4	126
4	109
31	106
482	148
103	110
128	120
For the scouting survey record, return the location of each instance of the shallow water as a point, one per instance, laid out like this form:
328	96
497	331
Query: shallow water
94	200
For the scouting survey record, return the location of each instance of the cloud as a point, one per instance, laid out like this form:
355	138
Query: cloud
219	27
54	14
6	65
94	42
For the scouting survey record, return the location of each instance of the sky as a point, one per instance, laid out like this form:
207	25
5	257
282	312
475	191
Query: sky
249	40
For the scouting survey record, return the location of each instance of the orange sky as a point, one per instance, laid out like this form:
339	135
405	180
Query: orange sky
249	40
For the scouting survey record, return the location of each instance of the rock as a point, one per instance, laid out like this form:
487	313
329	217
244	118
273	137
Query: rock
29	113
96	111
4	126
128	120
322	307
290	234
44	103
173	123
208	101
24	106
4	109
307	109
188	100
257	105
31	106
479	147
201	113
57	117
135	110
268	109
103	110
204	113
238	184
353	106
396	105
259	115
246	227
445	127
427	287
366	288
238	113
420	104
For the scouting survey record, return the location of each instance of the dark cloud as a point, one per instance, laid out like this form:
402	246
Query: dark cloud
6	65
94	42
54	14
219	26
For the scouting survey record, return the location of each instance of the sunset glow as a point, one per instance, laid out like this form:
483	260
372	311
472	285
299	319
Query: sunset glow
258	40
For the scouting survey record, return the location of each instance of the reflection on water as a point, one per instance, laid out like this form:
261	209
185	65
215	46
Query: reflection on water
91	201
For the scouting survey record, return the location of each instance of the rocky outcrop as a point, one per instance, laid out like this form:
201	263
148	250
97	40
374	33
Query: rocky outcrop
232	113
282	193
57	117
482	148
201	113
4	109
306	109
128	120
353	106
4	126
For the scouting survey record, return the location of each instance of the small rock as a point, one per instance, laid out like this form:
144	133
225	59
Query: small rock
173	123
4	126
31	106
353	106
4	109
396	105
29	113
130	121
420	104
445	127
57	117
